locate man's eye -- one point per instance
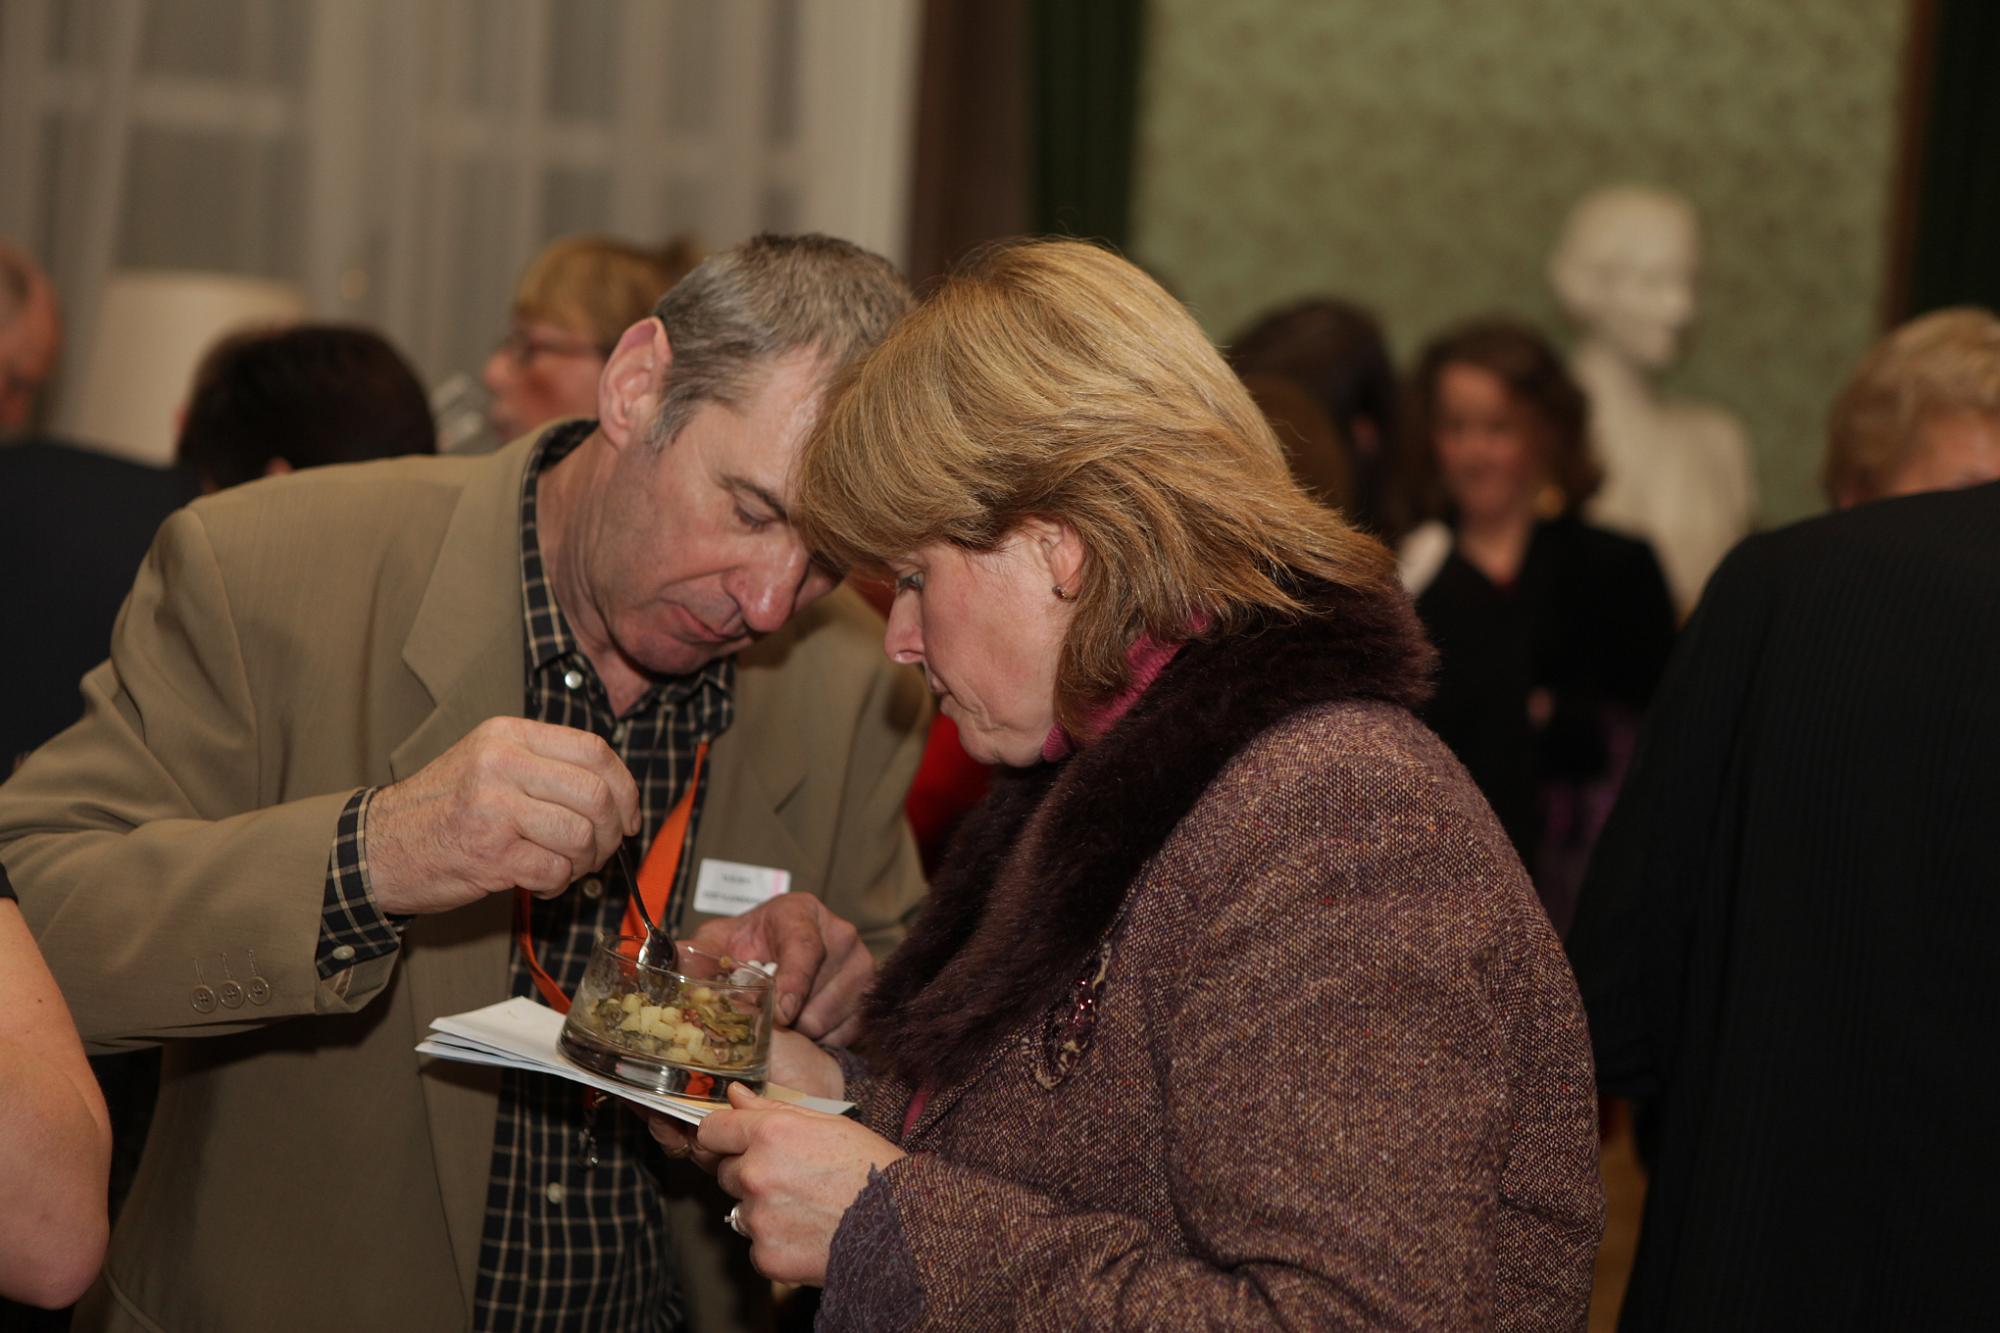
(753, 522)
(910, 582)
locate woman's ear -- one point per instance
(1060, 550)
(635, 377)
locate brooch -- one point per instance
(1067, 1032)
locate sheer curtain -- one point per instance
(399, 160)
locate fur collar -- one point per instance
(1011, 921)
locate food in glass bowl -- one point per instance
(691, 1029)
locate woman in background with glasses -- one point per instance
(573, 301)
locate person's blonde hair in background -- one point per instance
(571, 305)
(1148, 447)
(1920, 413)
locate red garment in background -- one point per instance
(949, 782)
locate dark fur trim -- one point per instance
(1021, 901)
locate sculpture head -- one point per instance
(1624, 269)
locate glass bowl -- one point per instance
(689, 1030)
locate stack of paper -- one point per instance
(521, 1034)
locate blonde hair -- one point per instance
(1054, 380)
(598, 286)
(1944, 362)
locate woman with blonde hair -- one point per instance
(1920, 413)
(574, 301)
(1231, 1005)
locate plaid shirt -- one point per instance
(568, 1244)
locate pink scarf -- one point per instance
(1147, 659)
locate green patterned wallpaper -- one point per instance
(1419, 156)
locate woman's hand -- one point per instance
(796, 1172)
(796, 1063)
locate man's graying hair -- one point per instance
(770, 296)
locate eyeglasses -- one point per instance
(523, 347)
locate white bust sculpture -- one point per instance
(1676, 473)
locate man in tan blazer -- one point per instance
(330, 743)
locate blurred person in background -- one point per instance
(74, 524)
(268, 402)
(1788, 938)
(1920, 413)
(1335, 351)
(571, 305)
(55, 1136)
(30, 338)
(1231, 1007)
(1551, 633)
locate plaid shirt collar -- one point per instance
(550, 644)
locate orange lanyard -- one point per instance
(657, 874)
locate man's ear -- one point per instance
(635, 375)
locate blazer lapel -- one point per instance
(466, 647)
(939, 1102)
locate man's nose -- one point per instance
(771, 591)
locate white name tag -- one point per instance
(729, 888)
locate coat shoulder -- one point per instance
(1368, 807)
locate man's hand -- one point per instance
(514, 802)
(823, 967)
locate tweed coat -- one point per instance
(287, 642)
(1338, 1075)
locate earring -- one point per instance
(1061, 596)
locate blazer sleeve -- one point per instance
(1342, 1101)
(877, 878)
(145, 865)
(1665, 846)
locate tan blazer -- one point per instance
(286, 643)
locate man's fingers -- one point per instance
(583, 793)
(588, 751)
(837, 993)
(559, 829)
(798, 950)
(846, 1033)
(536, 869)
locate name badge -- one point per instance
(730, 888)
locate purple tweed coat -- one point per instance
(1245, 1016)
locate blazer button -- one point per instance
(204, 1000)
(259, 991)
(230, 994)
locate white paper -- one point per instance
(520, 1034)
(731, 888)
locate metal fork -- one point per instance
(656, 938)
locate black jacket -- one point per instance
(74, 525)
(1789, 940)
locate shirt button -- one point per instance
(573, 678)
(343, 953)
(554, 1191)
(593, 888)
